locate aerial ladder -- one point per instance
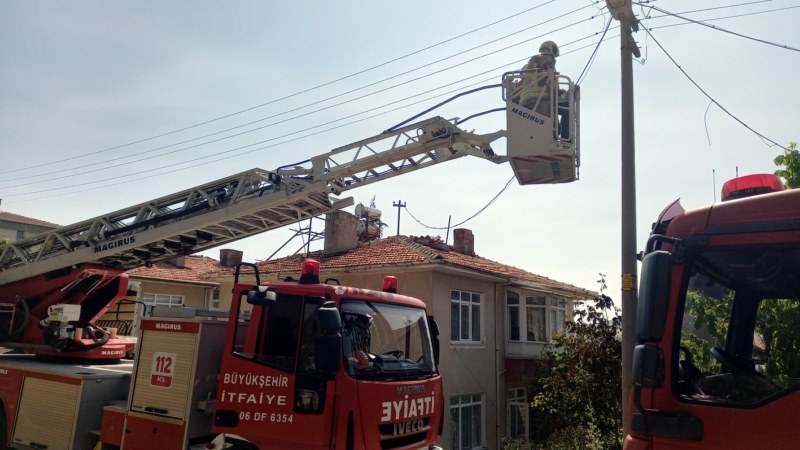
(56, 284)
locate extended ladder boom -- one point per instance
(241, 205)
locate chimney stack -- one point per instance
(178, 261)
(229, 257)
(340, 232)
(464, 241)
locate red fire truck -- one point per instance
(296, 365)
(717, 365)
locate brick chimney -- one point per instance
(464, 241)
(229, 257)
(340, 232)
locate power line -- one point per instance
(706, 93)
(40, 174)
(508, 183)
(714, 27)
(287, 96)
(594, 52)
(173, 170)
(300, 131)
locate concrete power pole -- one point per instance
(621, 10)
(399, 204)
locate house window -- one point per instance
(20, 234)
(162, 299)
(466, 423)
(465, 316)
(538, 319)
(512, 313)
(534, 318)
(558, 314)
(213, 297)
(517, 413)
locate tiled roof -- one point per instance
(403, 250)
(11, 217)
(195, 267)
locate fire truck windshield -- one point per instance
(386, 342)
(741, 325)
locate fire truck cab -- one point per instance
(717, 364)
(305, 353)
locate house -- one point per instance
(176, 282)
(494, 319)
(15, 227)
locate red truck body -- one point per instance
(717, 365)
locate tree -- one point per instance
(790, 159)
(577, 400)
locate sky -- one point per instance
(104, 105)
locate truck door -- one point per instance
(270, 391)
(738, 356)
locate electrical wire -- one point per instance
(40, 174)
(329, 122)
(508, 183)
(149, 173)
(760, 135)
(714, 27)
(216, 119)
(594, 53)
(94, 171)
(471, 91)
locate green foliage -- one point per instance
(777, 324)
(790, 160)
(577, 401)
(709, 328)
(520, 444)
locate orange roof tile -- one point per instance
(404, 250)
(195, 267)
(11, 217)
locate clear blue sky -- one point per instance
(80, 78)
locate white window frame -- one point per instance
(469, 301)
(517, 398)
(556, 322)
(459, 403)
(555, 314)
(152, 300)
(530, 305)
(513, 311)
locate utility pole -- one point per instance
(398, 204)
(622, 11)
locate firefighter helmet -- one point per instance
(549, 47)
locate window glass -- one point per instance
(535, 318)
(517, 413)
(271, 337)
(740, 332)
(382, 341)
(466, 422)
(512, 312)
(558, 315)
(465, 316)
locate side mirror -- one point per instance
(261, 296)
(434, 330)
(328, 349)
(648, 366)
(654, 294)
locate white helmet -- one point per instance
(549, 47)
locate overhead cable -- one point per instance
(760, 135)
(287, 96)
